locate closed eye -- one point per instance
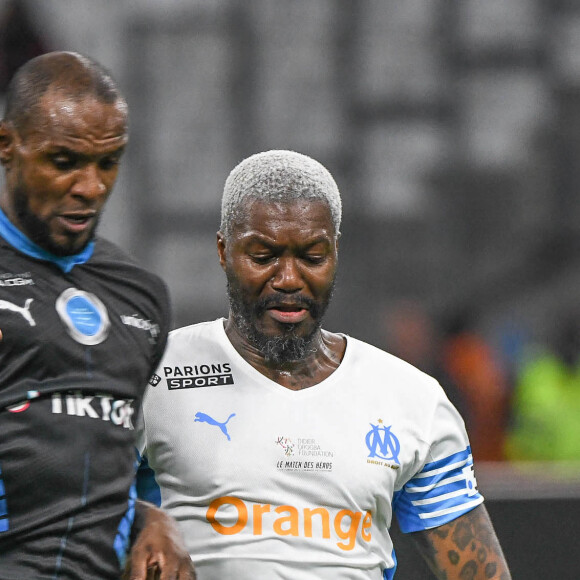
(262, 259)
(64, 161)
(315, 258)
(111, 162)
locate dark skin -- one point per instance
(290, 251)
(287, 251)
(60, 170)
(464, 549)
(159, 552)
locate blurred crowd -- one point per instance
(19, 40)
(519, 396)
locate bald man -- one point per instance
(82, 328)
(284, 450)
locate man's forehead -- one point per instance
(286, 206)
(60, 112)
(259, 215)
(61, 102)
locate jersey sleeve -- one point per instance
(164, 305)
(445, 487)
(146, 484)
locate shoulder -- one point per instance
(106, 250)
(375, 359)
(112, 261)
(387, 378)
(107, 253)
(202, 332)
(197, 344)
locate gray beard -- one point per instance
(278, 349)
(286, 347)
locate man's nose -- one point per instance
(89, 182)
(287, 277)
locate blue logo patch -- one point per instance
(84, 316)
(383, 443)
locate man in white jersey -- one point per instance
(283, 450)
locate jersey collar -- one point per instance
(17, 239)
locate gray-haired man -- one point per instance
(282, 449)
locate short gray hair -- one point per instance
(278, 176)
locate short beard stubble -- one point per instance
(38, 231)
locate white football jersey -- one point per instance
(271, 483)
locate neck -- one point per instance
(321, 361)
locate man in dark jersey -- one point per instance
(82, 329)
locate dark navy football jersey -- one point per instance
(80, 338)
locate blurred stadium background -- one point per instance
(452, 129)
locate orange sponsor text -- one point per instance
(286, 520)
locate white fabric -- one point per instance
(278, 484)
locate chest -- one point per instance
(272, 448)
(74, 328)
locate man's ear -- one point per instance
(221, 249)
(6, 143)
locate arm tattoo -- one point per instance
(464, 549)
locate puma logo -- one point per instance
(5, 305)
(203, 418)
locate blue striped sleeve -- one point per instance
(442, 491)
(389, 573)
